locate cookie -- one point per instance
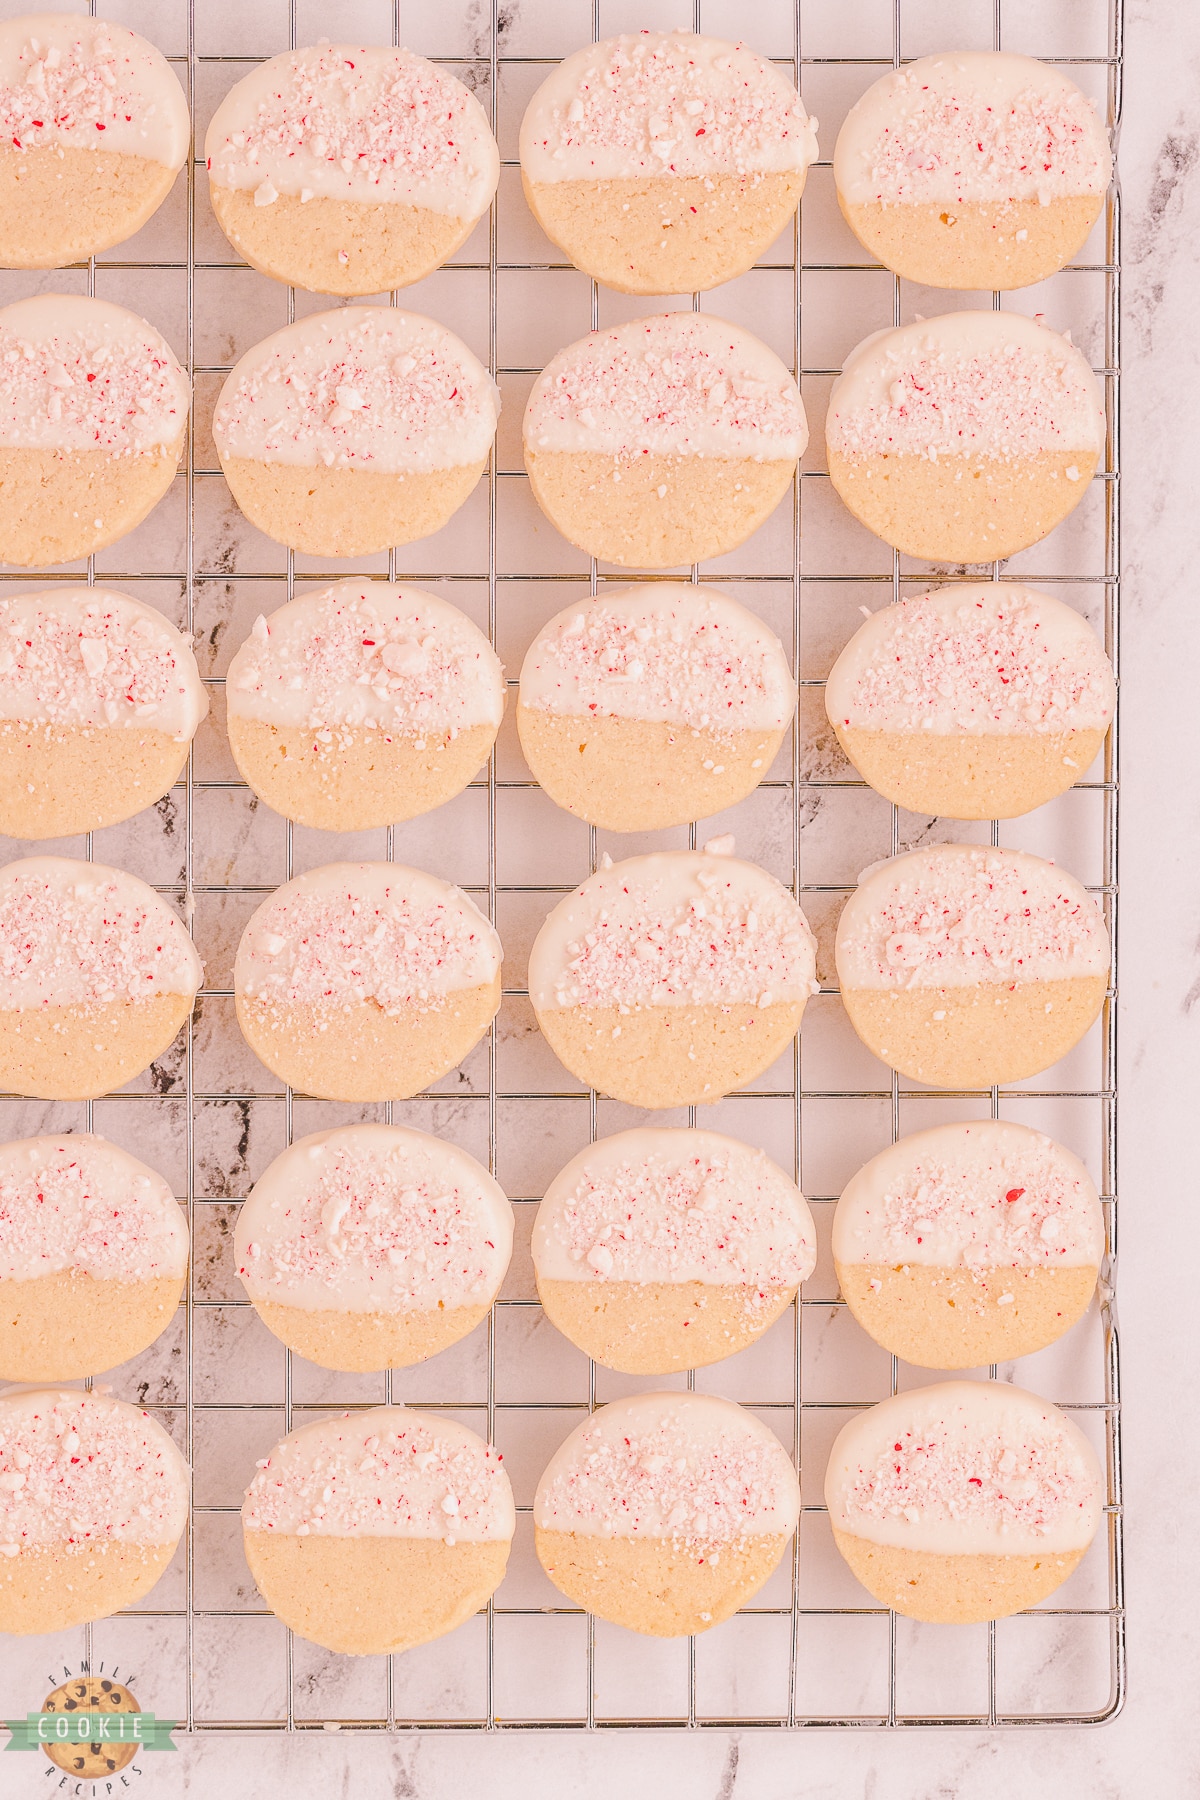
(663, 1250)
(663, 162)
(373, 1246)
(964, 438)
(667, 1512)
(964, 967)
(349, 170)
(969, 1244)
(93, 1502)
(352, 431)
(664, 441)
(671, 979)
(93, 1257)
(974, 702)
(378, 1530)
(366, 981)
(91, 1694)
(363, 704)
(976, 169)
(94, 129)
(652, 706)
(93, 418)
(97, 975)
(100, 698)
(964, 1501)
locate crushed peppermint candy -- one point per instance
(78, 1203)
(676, 1206)
(690, 1468)
(380, 657)
(665, 104)
(89, 84)
(80, 374)
(995, 659)
(374, 1223)
(364, 387)
(383, 1473)
(79, 934)
(678, 653)
(679, 384)
(956, 915)
(368, 125)
(357, 934)
(82, 1469)
(83, 658)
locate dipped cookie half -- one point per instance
(969, 1244)
(964, 1501)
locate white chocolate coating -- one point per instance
(663, 1205)
(663, 650)
(347, 122)
(388, 1472)
(957, 914)
(992, 384)
(993, 659)
(979, 1196)
(373, 1218)
(362, 387)
(85, 657)
(78, 1202)
(78, 1468)
(972, 126)
(80, 934)
(368, 653)
(680, 1466)
(664, 103)
(677, 384)
(80, 374)
(966, 1468)
(89, 84)
(676, 928)
(353, 932)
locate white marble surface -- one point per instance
(1151, 1748)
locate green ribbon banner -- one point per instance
(37, 1730)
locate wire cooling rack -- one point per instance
(814, 1651)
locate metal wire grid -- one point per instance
(798, 782)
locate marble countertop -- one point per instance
(1151, 1747)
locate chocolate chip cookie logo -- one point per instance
(92, 1728)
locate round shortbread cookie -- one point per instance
(667, 1512)
(355, 430)
(965, 967)
(373, 1246)
(100, 698)
(652, 706)
(93, 417)
(663, 1250)
(378, 1530)
(667, 440)
(974, 702)
(349, 170)
(964, 1501)
(93, 1501)
(94, 128)
(969, 1244)
(363, 704)
(964, 438)
(366, 981)
(671, 979)
(977, 169)
(93, 1257)
(663, 162)
(97, 975)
